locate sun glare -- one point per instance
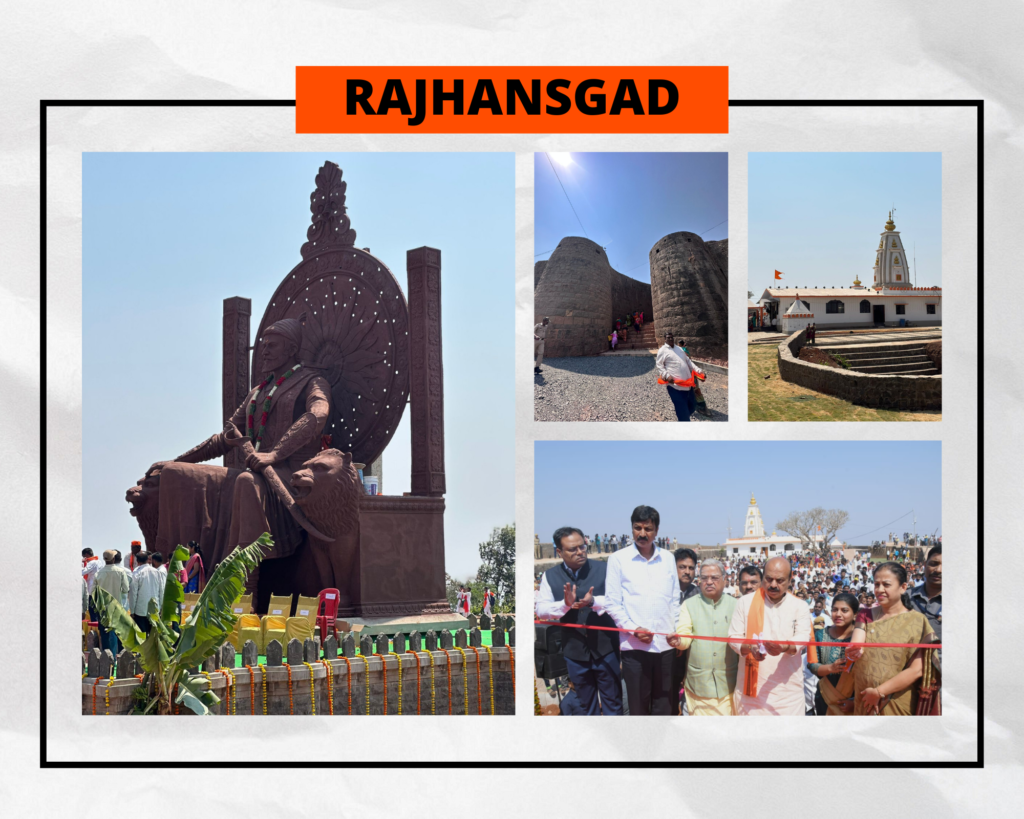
(563, 158)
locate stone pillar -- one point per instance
(426, 387)
(376, 469)
(235, 368)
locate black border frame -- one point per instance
(979, 105)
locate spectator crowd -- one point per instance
(741, 635)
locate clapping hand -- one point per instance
(569, 594)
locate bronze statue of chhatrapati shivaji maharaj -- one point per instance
(338, 355)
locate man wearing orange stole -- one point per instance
(771, 679)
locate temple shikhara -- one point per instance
(755, 542)
(891, 300)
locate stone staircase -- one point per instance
(643, 341)
(907, 358)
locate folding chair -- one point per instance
(280, 605)
(306, 607)
(248, 628)
(243, 605)
(327, 612)
(297, 628)
(273, 629)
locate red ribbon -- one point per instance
(737, 640)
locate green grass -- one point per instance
(773, 399)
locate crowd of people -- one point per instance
(134, 587)
(620, 331)
(761, 619)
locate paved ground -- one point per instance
(615, 388)
(860, 336)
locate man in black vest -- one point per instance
(573, 592)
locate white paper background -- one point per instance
(774, 50)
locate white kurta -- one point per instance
(780, 680)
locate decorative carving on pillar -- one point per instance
(235, 366)
(426, 393)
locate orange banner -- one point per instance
(511, 100)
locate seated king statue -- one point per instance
(280, 422)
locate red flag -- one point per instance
(778, 274)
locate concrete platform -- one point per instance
(418, 622)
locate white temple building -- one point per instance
(891, 299)
(755, 542)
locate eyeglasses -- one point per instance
(570, 550)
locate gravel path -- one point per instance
(615, 388)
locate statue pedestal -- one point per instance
(401, 558)
(406, 625)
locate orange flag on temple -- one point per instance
(778, 274)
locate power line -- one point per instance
(726, 219)
(890, 523)
(567, 199)
(535, 255)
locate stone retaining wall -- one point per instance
(418, 681)
(891, 392)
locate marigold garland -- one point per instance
(448, 657)
(229, 679)
(366, 669)
(512, 659)
(398, 657)
(291, 698)
(384, 671)
(263, 679)
(479, 696)
(490, 675)
(465, 679)
(256, 435)
(432, 695)
(252, 691)
(348, 675)
(312, 688)
(418, 689)
(330, 684)
(94, 684)
(106, 694)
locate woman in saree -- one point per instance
(884, 679)
(834, 696)
(194, 569)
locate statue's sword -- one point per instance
(236, 439)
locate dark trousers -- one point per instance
(684, 401)
(678, 678)
(648, 678)
(142, 622)
(597, 679)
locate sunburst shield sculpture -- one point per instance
(356, 325)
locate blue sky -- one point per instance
(817, 216)
(700, 487)
(628, 201)
(168, 236)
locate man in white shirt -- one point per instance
(540, 332)
(90, 566)
(147, 584)
(642, 597)
(114, 581)
(776, 686)
(676, 371)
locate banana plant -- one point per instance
(166, 655)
